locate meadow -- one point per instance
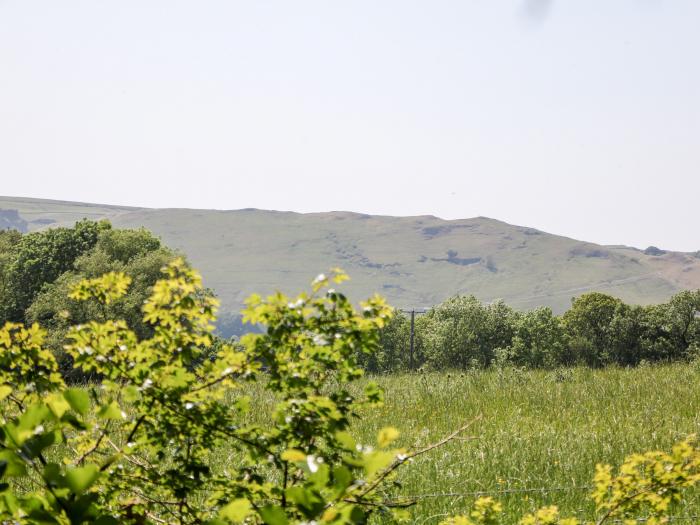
(540, 435)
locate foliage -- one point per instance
(540, 340)
(395, 342)
(136, 253)
(139, 447)
(39, 258)
(592, 320)
(462, 332)
(598, 330)
(8, 239)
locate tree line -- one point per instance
(38, 269)
(598, 330)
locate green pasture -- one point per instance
(539, 436)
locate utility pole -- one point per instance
(413, 330)
(412, 339)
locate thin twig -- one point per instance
(401, 459)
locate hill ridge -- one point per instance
(413, 261)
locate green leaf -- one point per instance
(58, 405)
(387, 436)
(308, 501)
(52, 474)
(14, 466)
(5, 390)
(78, 400)
(74, 421)
(342, 478)
(35, 445)
(236, 511)
(110, 411)
(273, 515)
(32, 418)
(319, 479)
(293, 455)
(79, 479)
(377, 461)
(131, 394)
(374, 393)
(346, 440)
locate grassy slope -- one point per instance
(539, 430)
(404, 258)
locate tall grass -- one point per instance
(538, 430)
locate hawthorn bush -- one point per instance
(140, 446)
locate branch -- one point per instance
(400, 460)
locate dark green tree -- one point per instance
(8, 239)
(589, 322)
(394, 341)
(540, 340)
(462, 332)
(39, 258)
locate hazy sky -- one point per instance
(578, 117)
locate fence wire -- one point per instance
(497, 492)
(531, 490)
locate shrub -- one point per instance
(140, 446)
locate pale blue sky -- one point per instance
(578, 117)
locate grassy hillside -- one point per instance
(414, 261)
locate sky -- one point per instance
(580, 118)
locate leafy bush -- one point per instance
(140, 446)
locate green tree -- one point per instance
(39, 258)
(135, 253)
(590, 323)
(462, 332)
(540, 340)
(8, 240)
(393, 353)
(683, 321)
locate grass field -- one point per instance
(539, 430)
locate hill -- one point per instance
(413, 261)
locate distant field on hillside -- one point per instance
(413, 261)
(539, 430)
